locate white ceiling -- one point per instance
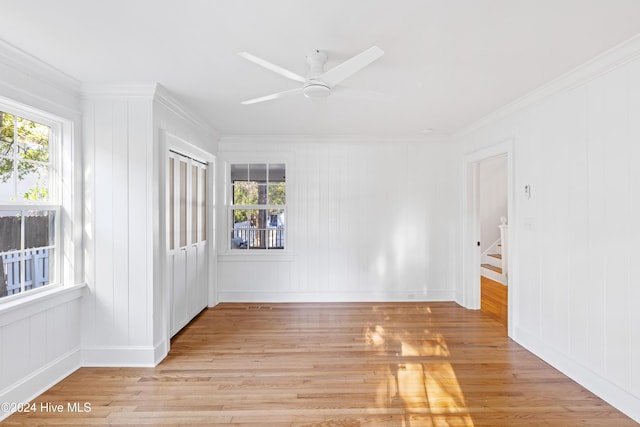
(447, 63)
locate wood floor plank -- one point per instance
(494, 299)
(355, 364)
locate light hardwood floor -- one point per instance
(494, 300)
(391, 364)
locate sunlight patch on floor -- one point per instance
(420, 386)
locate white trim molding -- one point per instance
(29, 64)
(373, 296)
(622, 399)
(119, 356)
(152, 91)
(41, 380)
(606, 62)
(470, 294)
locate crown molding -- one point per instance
(166, 99)
(607, 61)
(291, 139)
(108, 90)
(38, 84)
(154, 92)
(32, 66)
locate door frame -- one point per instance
(171, 142)
(471, 254)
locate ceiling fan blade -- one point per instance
(273, 96)
(272, 67)
(351, 66)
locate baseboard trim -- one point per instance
(33, 385)
(621, 399)
(119, 356)
(373, 296)
(160, 351)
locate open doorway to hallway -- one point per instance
(492, 214)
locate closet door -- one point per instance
(187, 239)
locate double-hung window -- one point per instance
(257, 206)
(29, 201)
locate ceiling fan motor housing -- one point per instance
(315, 88)
(316, 61)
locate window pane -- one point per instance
(276, 218)
(239, 239)
(33, 181)
(203, 204)
(10, 274)
(277, 172)
(33, 140)
(6, 180)
(262, 194)
(244, 218)
(24, 159)
(243, 234)
(258, 172)
(245, 193)
(194, 204)
(38, 229)
(277, 193)
(239, 172)
(10, 223)
(6, 157)
(275, 231)
(172, 203)
(6, 132)
(38, 263)
(183, 204)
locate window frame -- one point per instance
(59, 130)
(246, 159)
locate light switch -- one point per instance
(527, 191)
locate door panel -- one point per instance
(187, 239)
(179, 303)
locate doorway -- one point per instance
(492, 216)
(488, 197)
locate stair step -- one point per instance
(499, 256)
(492, 268)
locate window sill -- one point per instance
(19, 308)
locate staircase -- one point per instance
(493, 265)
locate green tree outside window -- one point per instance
(24, 156)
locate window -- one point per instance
(29, 208)
(258, 206)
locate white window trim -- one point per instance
(60, 143)
(224, 180)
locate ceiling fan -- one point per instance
(318, 83)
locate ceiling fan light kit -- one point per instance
(316, 89)
(318, 83)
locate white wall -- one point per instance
(492, 200)
(40, 335)
(574, 260)
(125, 312)
(117, 326)
(367, 221)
